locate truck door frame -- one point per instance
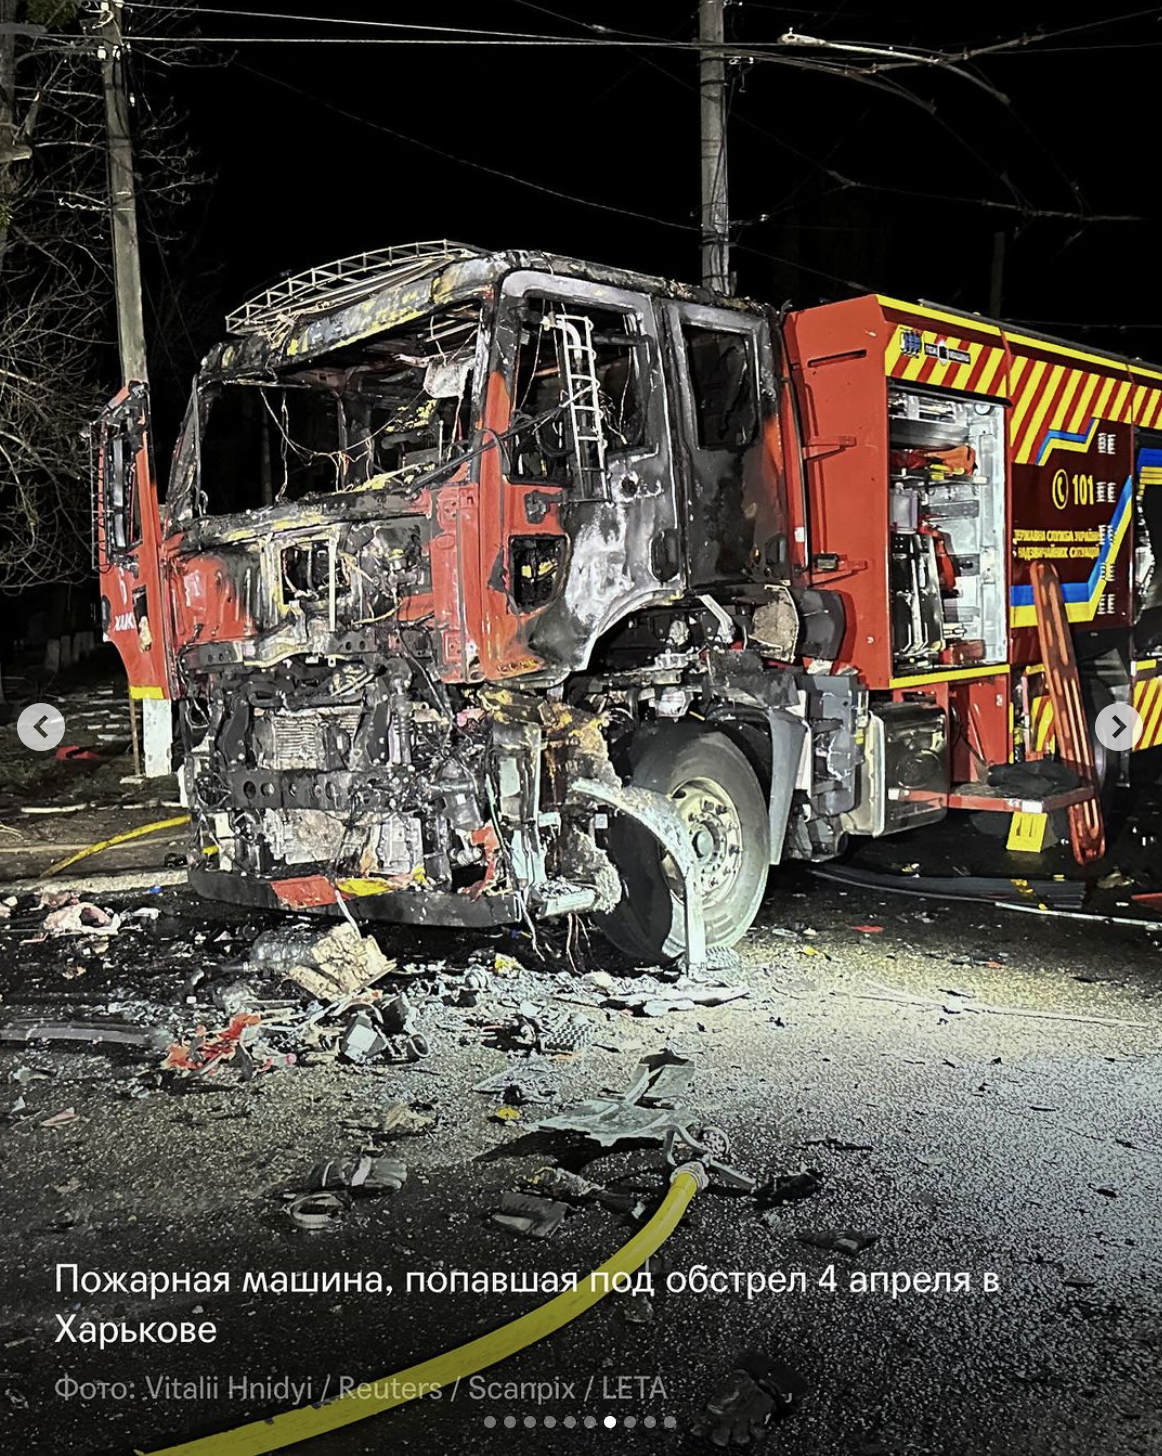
(731, 498)
(127, 533)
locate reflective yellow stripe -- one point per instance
(959, 674)
(972, 325)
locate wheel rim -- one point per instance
(715, 830)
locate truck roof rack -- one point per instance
(331, 285)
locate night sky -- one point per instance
(321, 150)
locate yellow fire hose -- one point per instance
(63, 864)
(256, 1438)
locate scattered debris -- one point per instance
(541, 1030)
(574, 1188)
(119, 1033)
(682, 996)
(209, 1049)
(327, 964)
(783, 1188)
(59, 1119)
(81, 918)
(757, 1391)
(839, 1241)
(397, 1119)
(316, 1211)
(609, 1121)
(362, 1040)
(523, 1213)
(670, 1079)
(372, 1172)
(521, 1083)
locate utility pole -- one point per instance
(997, 277)
(106, 26)
(715, 214)
(156, 713)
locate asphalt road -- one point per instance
(980, 1090)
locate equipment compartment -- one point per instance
(946, 512)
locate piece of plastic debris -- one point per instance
(371, 1172)
(536, 1218)
(327, 964)
(783, 1188)
(506, 1114)
(671, 1078)
(531, 1081)
(609, 1122)
(839, 1241)
(544, 1030)
(82, 918)
(397, 1119)
(59, 1119)
(379, 1174)
(869, 929)
(682, 996)
(757, 1391)
(209, 1049)
(362, 1040)
(574, 1188)
(119, 1033)
(317, 1210)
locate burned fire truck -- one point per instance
(498, 586)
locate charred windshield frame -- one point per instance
(391, 412)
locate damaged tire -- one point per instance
(718, 794)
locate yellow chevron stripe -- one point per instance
(1103, 399)
(1037, 414)
(1057, 420)
(988, 373)
(1027, 395)
(1145, 690)
(1081, 407)
(1067, 399)
(1118, 406)
(1016, 374)
(1154, 712)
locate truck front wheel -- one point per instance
(717, 793)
